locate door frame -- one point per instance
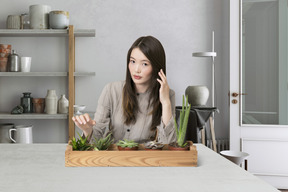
(235, 61)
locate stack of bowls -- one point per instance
(5, 51)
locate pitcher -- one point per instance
(22, 134)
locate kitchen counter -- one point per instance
(41, 167)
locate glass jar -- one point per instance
(38, 105)
(26, 102)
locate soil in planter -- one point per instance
(127, 148)
(148, 149)
(174, 147)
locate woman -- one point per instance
(140, 108)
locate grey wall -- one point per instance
(183, 27)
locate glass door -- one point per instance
(264, 62)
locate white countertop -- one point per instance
(41, 168)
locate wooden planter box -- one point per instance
(140, 158)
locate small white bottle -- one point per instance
(63, 105)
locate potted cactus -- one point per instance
(103, 143)
(127, 145)
(181, 127)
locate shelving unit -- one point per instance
(71, 74)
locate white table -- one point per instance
(41, 168)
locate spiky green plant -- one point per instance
(183, 122)
(103, 143)
(127, 143)
(80, 144)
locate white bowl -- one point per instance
(236, 157)
(79, 108)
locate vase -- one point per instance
(197, 95)
(26, 102)
(63, 105)
(51, 102)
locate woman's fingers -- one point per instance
(87, 117)
(82, 120)
(162, 75)
(161, 83)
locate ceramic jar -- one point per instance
(63, 104)
(26, 103)
(197, 95)
(13, 22)
(39, 15)
(5, 51)
(59, 19)
(51, 102)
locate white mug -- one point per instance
(22, 134)
(26, 64)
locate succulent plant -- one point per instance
(80, 144)
(127, 143)
(153, 145)
(103, 143)
(183, 122)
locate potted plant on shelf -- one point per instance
(127, 145)
(103, 143)
(153, 145)
(181, 143)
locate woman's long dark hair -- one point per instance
(154, 51)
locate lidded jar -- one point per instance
(26, 102)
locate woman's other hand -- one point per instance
(85, 123)
(164, 89)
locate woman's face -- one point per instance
(140, 69)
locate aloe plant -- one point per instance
(183, 122)
(103, 143)
(127, 143)
(80, 144)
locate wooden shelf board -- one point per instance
(44, 74)
(32, 116)
(84, 74)
(45, 33)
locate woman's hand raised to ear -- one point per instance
(164, 98)
(164, 89)
(85, 123)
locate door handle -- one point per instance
(236, 94)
